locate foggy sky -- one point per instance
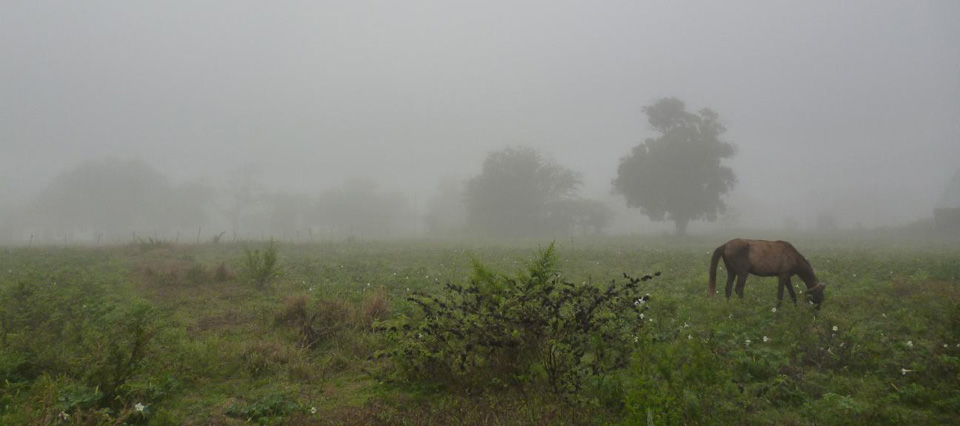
(851, 109)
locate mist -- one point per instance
(840, 111)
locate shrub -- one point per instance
(267, 357)
(261, 266)
(223, 273)
(324, 321)
(120, 346)
(375, 307)
(196, 273)
(509, 331)
(70, 328)
(151, 243)
(273, 406)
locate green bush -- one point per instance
(64, 325)
(268, 409)
(498, 330)
(151, 243)
(261, 266)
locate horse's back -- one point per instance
(766, 258)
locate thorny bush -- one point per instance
(498, 330)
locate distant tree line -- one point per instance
(677, 176)
(129, 199)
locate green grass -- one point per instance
(217, 350)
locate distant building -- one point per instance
(946, 217)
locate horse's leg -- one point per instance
(730, 276)
(741, 280)
(793, 294)
(783, 283)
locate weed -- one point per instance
(223, 273)
(323, 321)
(151, 243)
(375, 307)
(273, 405)
(261, 266)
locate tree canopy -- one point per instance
(360, 208)
(120, 195)
(678, 175)
(516, 192)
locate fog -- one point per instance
(846, 110)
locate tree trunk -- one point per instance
(681, 225)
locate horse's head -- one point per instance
(816, 293)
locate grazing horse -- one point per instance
(765, 259)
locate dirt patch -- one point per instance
(937, 289)
(224, 321)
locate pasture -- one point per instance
(165, 334)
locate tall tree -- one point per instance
(515, 190)
(678, 175)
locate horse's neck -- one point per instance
(806, 274)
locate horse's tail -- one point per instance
(713, 269)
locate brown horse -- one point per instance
(765, 259)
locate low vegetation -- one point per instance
(435, 333)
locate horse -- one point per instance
(765, 259)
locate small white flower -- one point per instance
(63, 416)
(313, 410)
(944, 345)
(636, 338)
(835, 328)
(773, 309)
(766, 339)
(883, 315)
(642, 316)
(139, 407)
(904, 371)
(689, 337)
(419, 335)
(748, 342)
(685, 325)
(909, 343)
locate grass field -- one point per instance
(162, 334)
